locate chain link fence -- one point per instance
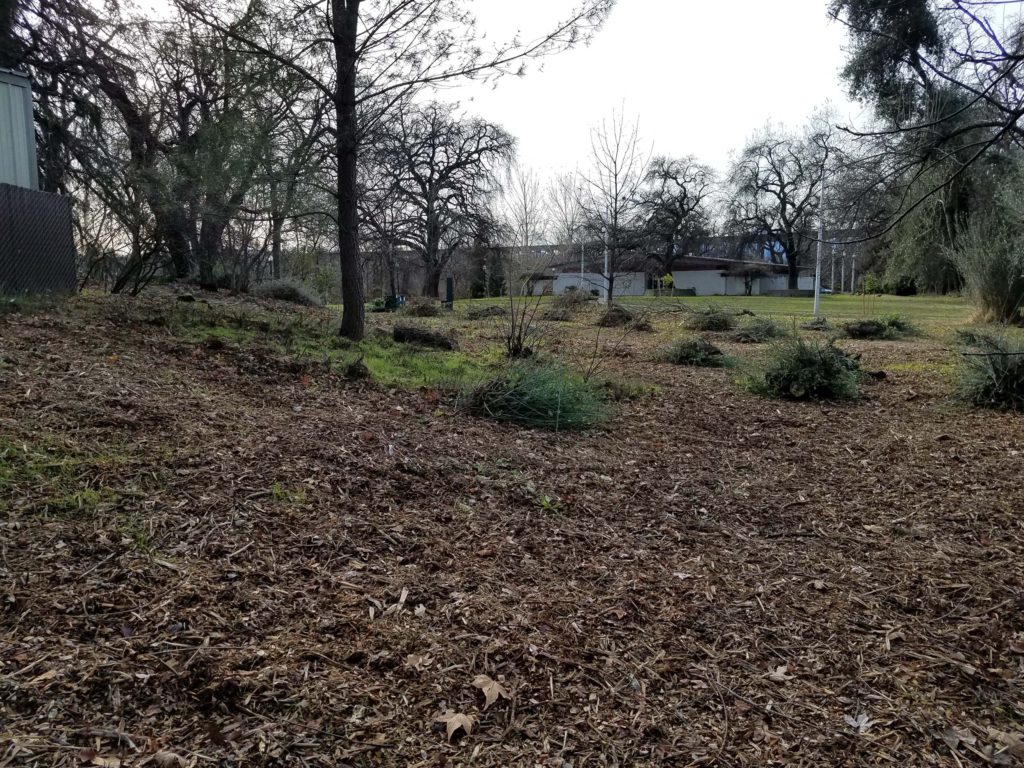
(37, 247)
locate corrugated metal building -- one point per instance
(37, 245)
(17, 139)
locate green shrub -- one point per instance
(557, 314)
(991, 373)
(571, 300)
(807, 370)
(710, 318)
(291, 290)
(421, 307)
(989, 253)
(540, 395)
(758, 331)
(888, 327)
(325, 281)
(817, 324)
(615, 316)
(641, 322)
(694, 352)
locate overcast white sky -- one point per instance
(700, 75)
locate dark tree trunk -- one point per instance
(392, 271)
(431, 281)
(346, 20)
(794, 273)
(276, 225)
(171, 227)
(210, 236)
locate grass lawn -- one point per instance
(934, 313)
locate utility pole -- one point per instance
(607, 274)
(582, 250)
(821, 245)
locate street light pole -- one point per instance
(821, 238)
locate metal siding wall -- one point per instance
(17, 133)
(7, 171)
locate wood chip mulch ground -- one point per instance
(265, 568)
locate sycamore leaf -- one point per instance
(418, 662)
(1011, 743)
(493, 690)
(779, 674)
(165, 759)
(454, 721)
(954, 736)
(861, 723)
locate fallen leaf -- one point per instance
(955, 736)
(106, 762)
(165, 759)
(779, 674)
(861, 723)
(454, 721)
(418, 662)
(492, 689)
(1013, 743)
(49, 675)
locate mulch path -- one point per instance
(288, 569)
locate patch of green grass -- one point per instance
(315, 338)
(283, 495)
(405, 366)
(28, 305)
(131, 530)
(923, 366)
(54, 479)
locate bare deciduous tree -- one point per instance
(611, 196)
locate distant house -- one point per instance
(728, 277)
(625, 283)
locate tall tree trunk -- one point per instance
(210, 236)
(432, 281)
(171, 227)
(276, 227)
(392, 271)
(794, 272)
(346, 20)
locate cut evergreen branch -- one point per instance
(699, 353)
(541, 395)
(797, 369)
(991, 373)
